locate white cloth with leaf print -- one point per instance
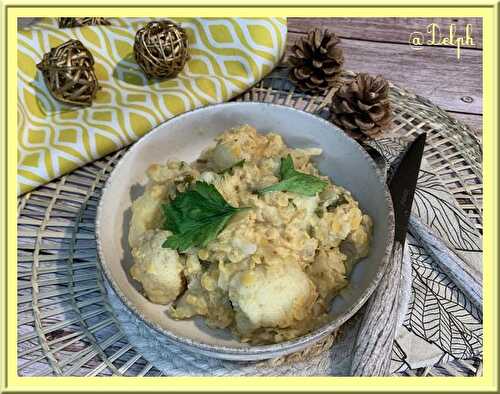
(441, 324)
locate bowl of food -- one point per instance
(245, 231)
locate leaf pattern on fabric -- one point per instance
(439, 312)
(432, 204)
(391, 148)
(398, 358)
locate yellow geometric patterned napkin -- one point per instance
(228, 55)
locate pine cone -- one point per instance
(316, 61)
(361, 108)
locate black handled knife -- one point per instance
(402, 179)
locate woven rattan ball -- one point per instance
(161, 49)
(78, 22)
(68, 71)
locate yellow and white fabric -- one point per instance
(228, 55)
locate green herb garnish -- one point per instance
(196, 217)
(237, 164)
(294, 181)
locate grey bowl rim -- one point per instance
(252, 352)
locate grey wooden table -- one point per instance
(381, 46)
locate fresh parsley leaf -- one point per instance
(196, 217)
(294, 181)
(287, 168)
(237, 164)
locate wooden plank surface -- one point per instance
(433, 74)
(393, 30)
(380, 46)
(475, 122)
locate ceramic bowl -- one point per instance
(183, 138)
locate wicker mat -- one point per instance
(67, 326)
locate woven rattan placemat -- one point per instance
(65, 323)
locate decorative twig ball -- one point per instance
(68, 71)
(161, 49)
(77, 22)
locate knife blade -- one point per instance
(402, 179)
(373, 347)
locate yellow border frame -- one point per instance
(10, 382)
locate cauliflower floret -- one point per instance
(158, 269)
(334, 196)
(171, 172)
(335, 226)
(244, 143)
(223, 157)
(272, 296)
(357, 244)
(204, 298)
(328, 273)
(233, 147)
(146, 212)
